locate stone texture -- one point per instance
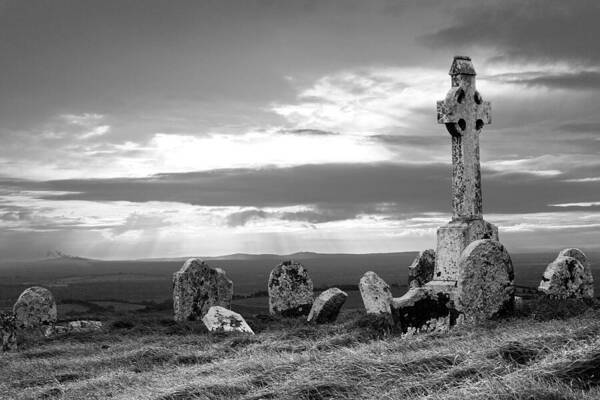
(485, 287)
(424, 309)
(290, 290)
(464, 113)
(587, 287)
(421, 270)
(197, 287)
(327, 306)
(220, 319)
(8, 331)
(376, 294)
(79, 326)
(453, 238)
(35, 308)
(564, 278)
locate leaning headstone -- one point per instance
(197, 287)
(421, 270)
(220, 319)
(424, 310)
(376, 294)
(587, 287)
(35, 309)
(564, 278)
(327, 306)
(290, 290)
(8, 331)
(485, 287)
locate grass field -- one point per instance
(551, 353)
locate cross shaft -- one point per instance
(464, 113)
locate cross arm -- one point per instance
(448, 110)
(484, 112)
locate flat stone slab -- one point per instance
(327, 306)
(35, 308)
(566, 277)
(376, 294)
(220, 319)
(421, 270)
(424, 309)
(485, 287)
(197, 287)
(79, 326)
(290, 290)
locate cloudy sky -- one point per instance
(147, 128)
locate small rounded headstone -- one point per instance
(565, 277)
(290, 290)
(376, 294)
(35, 308)
(421, 270)
(485, 286)
(327, 306)
(197, 287)
(220, 319)
(587, 286)
(8, 331)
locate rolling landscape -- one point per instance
(311, 154)
(134, 284)
(547, 351)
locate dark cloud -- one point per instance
(542, 30)
(312, 132)
(318, 213)
(582, 80)
(338, 190)
(577, 127)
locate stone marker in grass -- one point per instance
(197, 287)
(421, 270)
(327, 306)
(35, 309)
(376, 294)
(568, 276)
(290, 290)
(220, 319)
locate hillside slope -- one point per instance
(149, 357)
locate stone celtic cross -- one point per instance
(464, 113)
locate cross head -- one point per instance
(464, 113)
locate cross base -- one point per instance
(452, 239)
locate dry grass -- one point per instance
(525, 358)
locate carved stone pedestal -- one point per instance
(452, 239)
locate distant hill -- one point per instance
(71, 277)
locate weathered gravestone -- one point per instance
(327, 306)
(220, 319)
(376, 294)
(485, 287)
(421, 270)
(464, 113)
(568, 276)
(197, 287)
(35, 309)
(290, 290)
(8, 331)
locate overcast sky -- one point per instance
(133, 129)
